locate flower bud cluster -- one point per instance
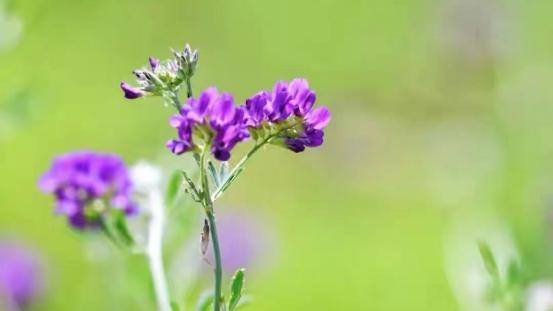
(163, 77)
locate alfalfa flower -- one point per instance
(211, 120)
(164, 78)
(287, 115)
(87, 185)
(212, 123)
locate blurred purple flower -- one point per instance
(243, 240)
(86, 185)
(20, 276)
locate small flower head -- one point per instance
(187, 60)
(86, 185)
(211, 120)
(20, 276)
(163, 77)
(287, 113)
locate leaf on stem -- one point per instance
(120, 223)
(488, 258)
(115, 226)
(214, 174)
(223, 171)
(236, 288)
(197, 158)
(232, 178)
(191, 188)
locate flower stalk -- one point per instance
(154, 251)
(212, 123)
(210, 213)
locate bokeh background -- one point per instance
(441, 136)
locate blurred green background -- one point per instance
(441, 135)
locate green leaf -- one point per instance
(114, 225)
(489, 259)
(515, 276)
(214, 174)
(191, 188)
(205, 303)
(231, 179)
(236, 288)
(224, 170)
(174, 306)
(175, 182)
(196, 157)
(121, 227)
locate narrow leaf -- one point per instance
(191, 187)
(197, 158)
(223, 171)
(236, 288)
(213, 173)
(231, 179)
(488, 258)
(119, 228)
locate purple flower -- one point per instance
(154, 80)
(211, 118)
(86, 185)
(255, 107)
(20, 276)
(154, 63)
(303, 97)
(287, 112)
(130, 91)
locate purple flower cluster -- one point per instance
(20, 276)
(212, 118)
(286, 115)
(86, 185)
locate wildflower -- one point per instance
(20, 276)
(213, 121)
(87, 185)
(287, 114)
(187, 60)
(163, 78)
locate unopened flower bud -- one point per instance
(130, 91)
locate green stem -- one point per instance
(208, 206)
(188, 88)
(239, 166)
(175, 100)
(218, 264)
